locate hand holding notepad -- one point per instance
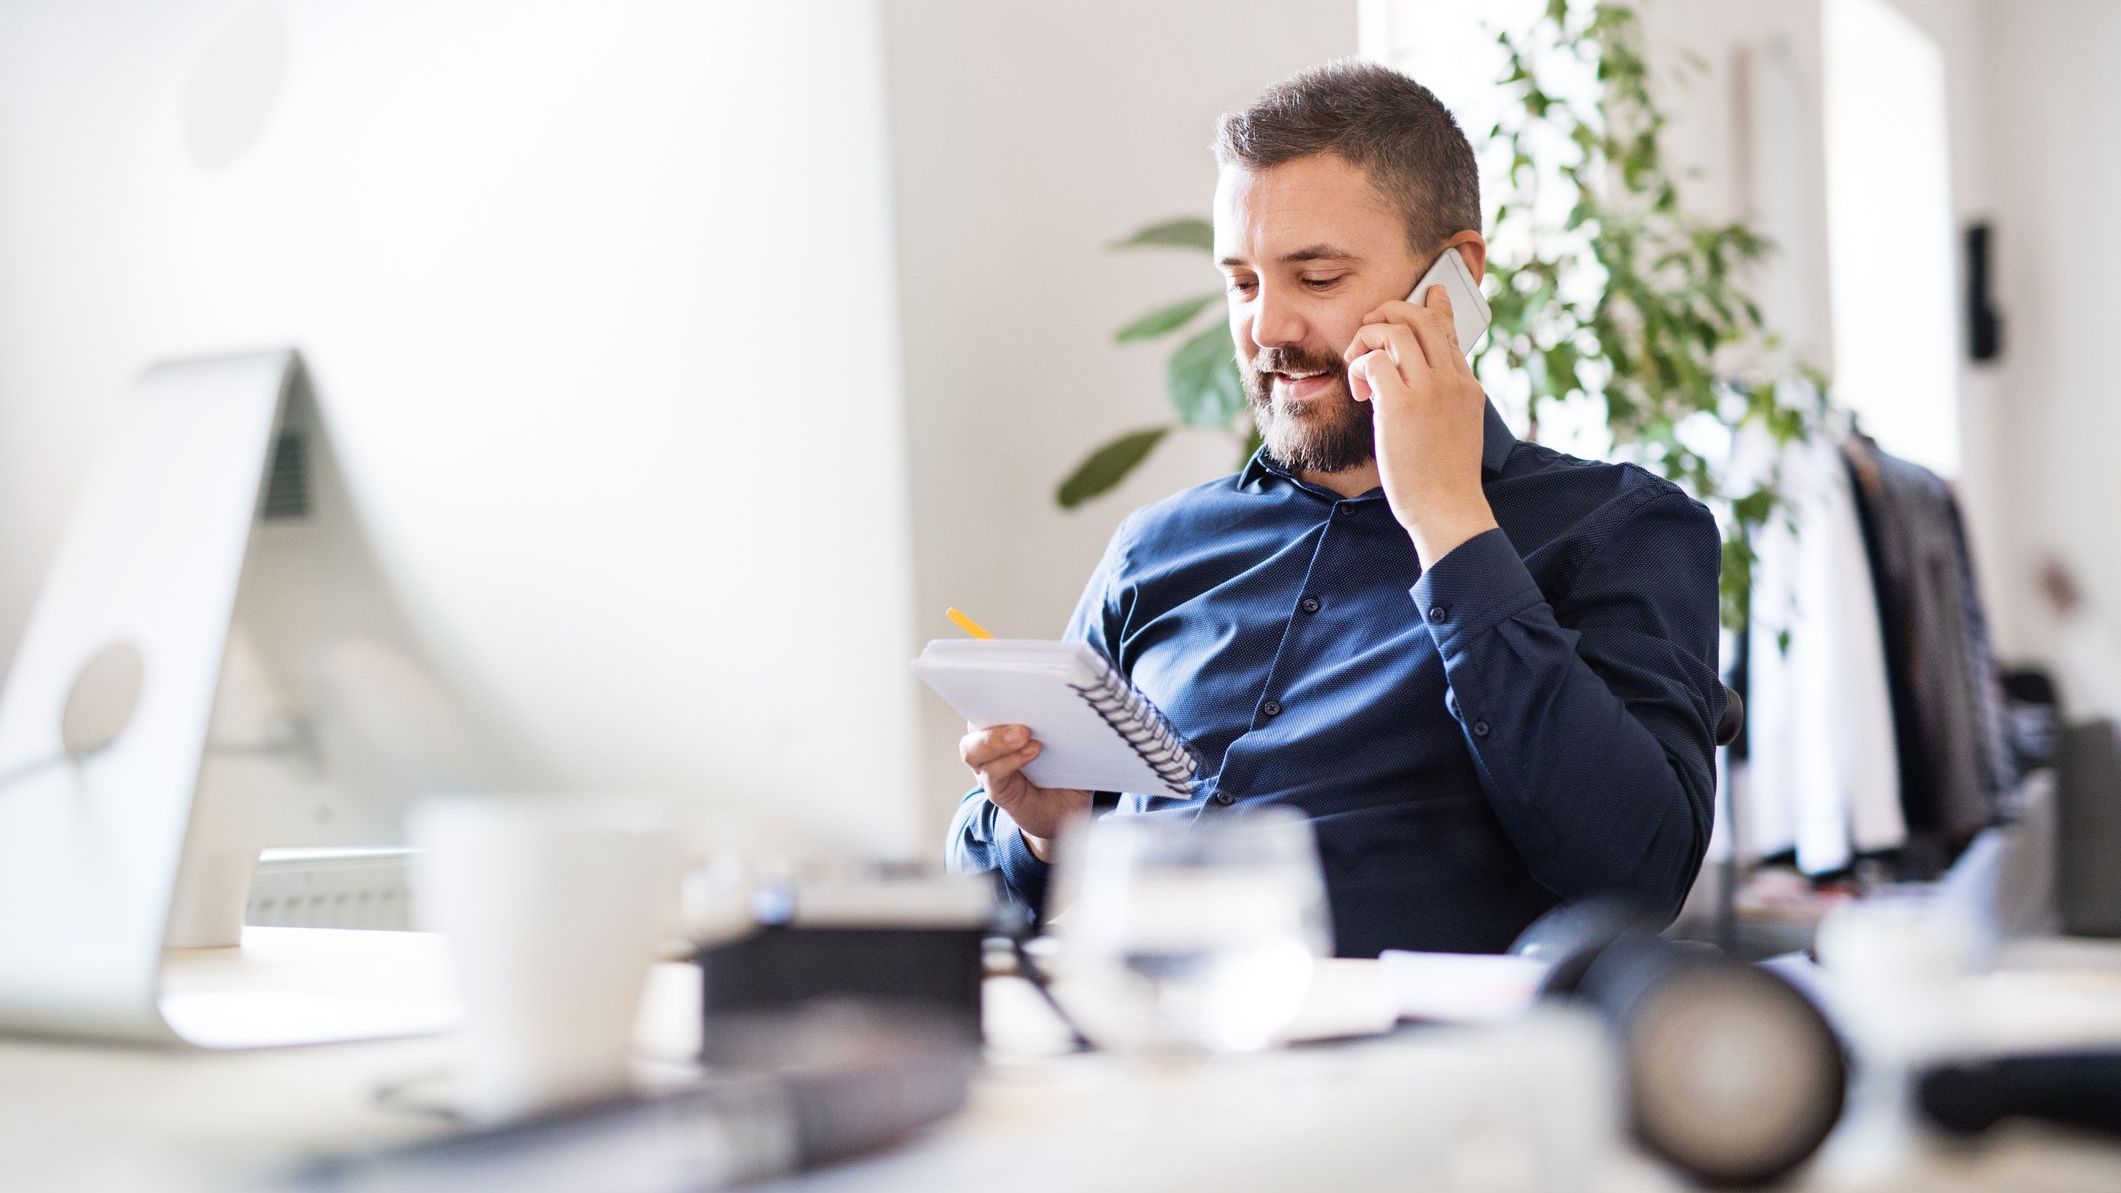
(1099, 733)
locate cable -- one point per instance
(1036, 975)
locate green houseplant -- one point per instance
(1627, 302)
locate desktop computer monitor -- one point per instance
(596, 307)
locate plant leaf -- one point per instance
(1202, 380)
(1164, 319)
(1185, 232)
(1107, 466)
(1561, 375)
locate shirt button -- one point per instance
(1439, 613)
(1480, 729)
(1309, 605)
(1224, 798)
(1347, 511)
(1272, 708)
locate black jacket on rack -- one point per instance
(1947, 701)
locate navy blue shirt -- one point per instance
(1532, 720)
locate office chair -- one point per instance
(1733, 718)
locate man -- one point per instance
(1485, 670)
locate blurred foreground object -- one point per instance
(2070, 1089)
(1732, 1074)
(1191, 935)
(551, 909)
(807, 1088)
(888, 941)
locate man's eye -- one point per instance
(1240, 286)
(1321, 283)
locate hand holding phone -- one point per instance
(1429, 412)
(1469, 308)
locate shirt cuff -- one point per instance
(1478, 583)
(1021, 870)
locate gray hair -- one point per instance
(1378, 119)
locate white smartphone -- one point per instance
(1469, 309)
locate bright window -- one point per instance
(1889, 231)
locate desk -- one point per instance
(1422, 1108)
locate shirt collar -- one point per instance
(1496, 442)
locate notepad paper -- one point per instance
(1462, 987)
(1097, 732)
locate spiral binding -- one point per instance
(1144, 727)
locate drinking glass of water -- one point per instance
(1179, 934)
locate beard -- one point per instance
(1328, 433)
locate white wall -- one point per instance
(2053, 107)
(600, 306)
(1026, 138)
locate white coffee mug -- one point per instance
(553, 908)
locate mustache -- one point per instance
(1294, 360)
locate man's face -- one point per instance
(1308, 249)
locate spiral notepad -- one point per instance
(1099, 732)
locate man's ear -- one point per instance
(1474, 248)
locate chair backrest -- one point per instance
(1733, 718)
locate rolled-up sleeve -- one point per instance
(1591, 713)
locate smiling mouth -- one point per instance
(1301, 385)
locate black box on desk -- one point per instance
(882, 943)
(2088, 820)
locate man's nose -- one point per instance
(1276, 323)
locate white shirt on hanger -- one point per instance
(1823, 766)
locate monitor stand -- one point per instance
(104, 728)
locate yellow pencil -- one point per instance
(966, 624)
